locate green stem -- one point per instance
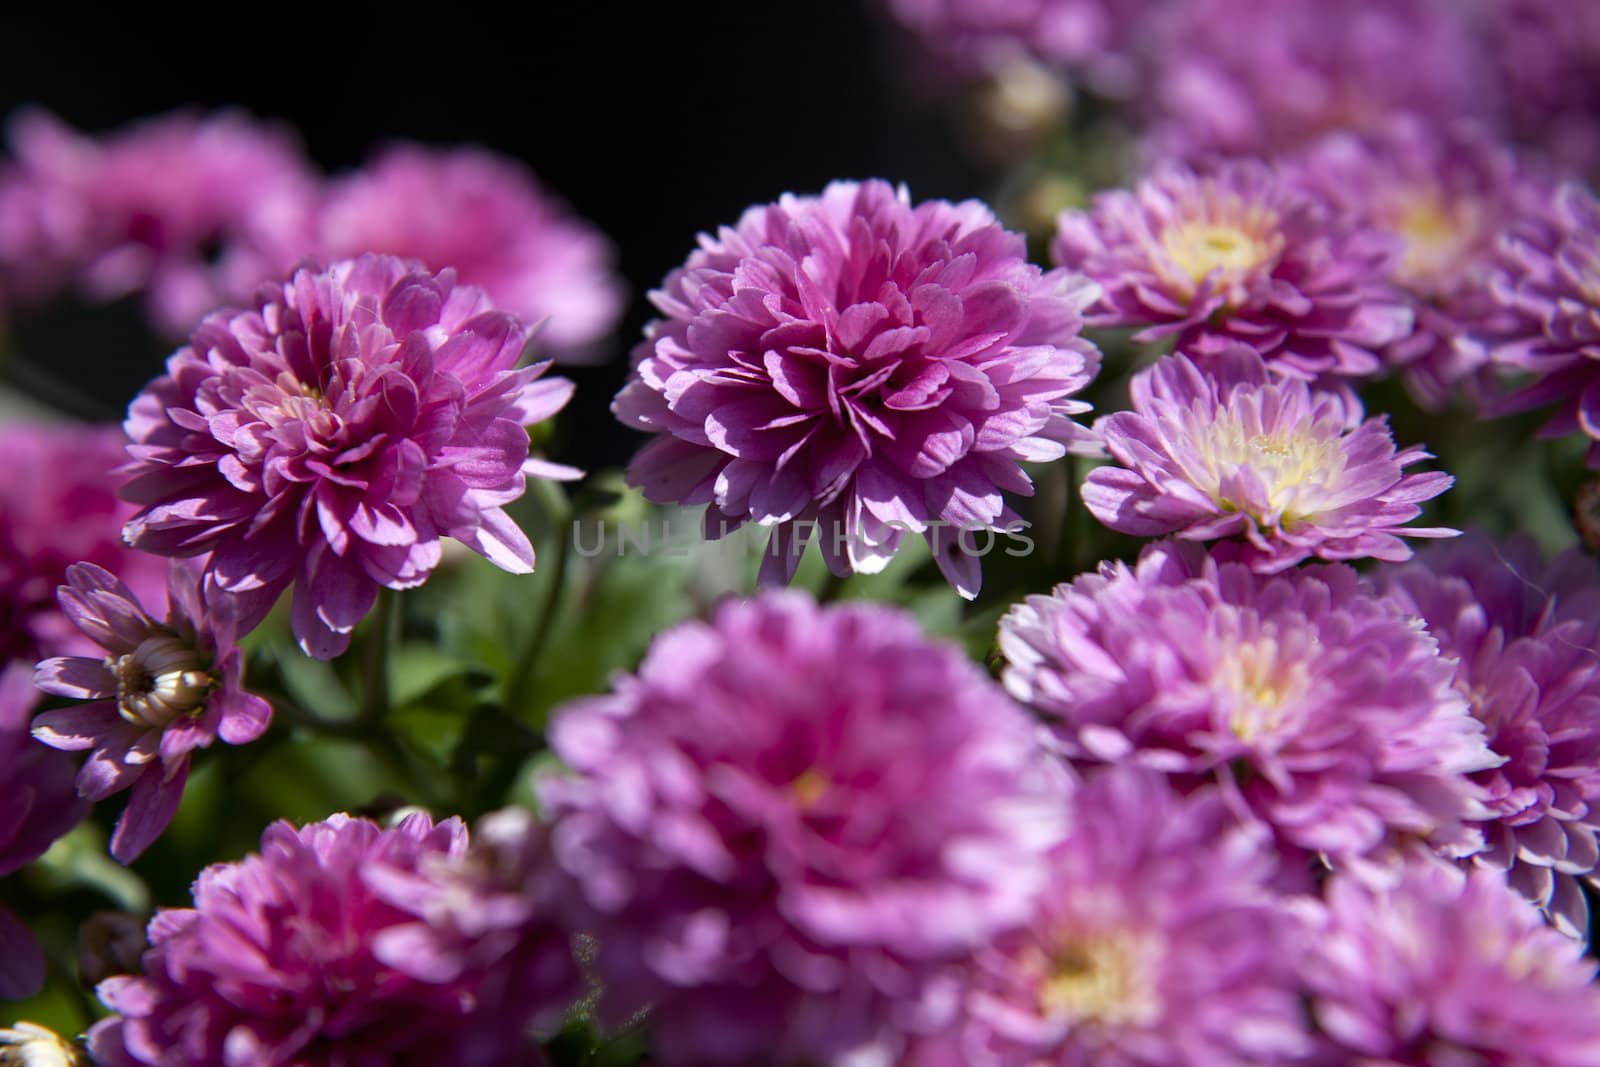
(832, 589)
(524, 671)
(375, 670)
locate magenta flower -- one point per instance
(1548, 280)
(486, 216)
(162, 690)
(753, 867)
(329, 439)
(1258, 77)
(277, 963)
(190, 211)
(58, 505)
(484, 922)
(1321, 708)
(41, 806)
(1158, 942)
(1527, 637)
(1447, 193)
(1239, 454)
(853, 365)
(1089, 37)
(1548, 57)
(1444, 970)
(1239, 254)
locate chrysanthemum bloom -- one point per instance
(1548, 58)
(31, 1045)
(853, 365)
(1527, 636)
(486, 216)
(276, 962)
(1158, 941)
(191, 211)
(1548, 279)
(161, 690)
(486, 920)
(1259, 77)
(753, 862)
(1319, 706)
(41, 806)
(1447, 193)
(1088, 37)
(330, 438)
(58, 505)
(1238, 454)
(1443, 970)
(1240, 253)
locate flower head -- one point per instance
(1447, 194)
(42, 806)
(161, 690)
(58, 505)
(1238, 454)
(1526, 635)
(1157, 942)
(277, 961)
(191, 211)
(1548, 281)
(754, 866)
(1445, 969)
(1240, 253)
(1258, 77)
(852, 363)
(485, 921)
(1323, 709)
(485, 216)
(1548, 55)
(329, 439)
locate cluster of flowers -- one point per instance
(197, 211)
(1265, 76)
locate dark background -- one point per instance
(653, 120)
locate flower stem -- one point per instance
(375, 669)
(525, 669)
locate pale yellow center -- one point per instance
(1438, 240)
(1107, 978)
(159, 681)
(808, 788)
(1223, 251)
(1293, 467)
(1263, 687)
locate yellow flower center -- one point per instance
(808, 788)
(1265, 689)
(31, 1045)
(1438, 240)
(1106, 978)
(159, 681)
(1293, 467)
(1229, 250)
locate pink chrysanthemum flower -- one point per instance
(1088, 37)
(1259, 77)
(162, 690)
(855, 366)
(1444, 970)
(487, 217)
(193, 212)
(41, 806)
(1527, 636)
(1548, 280)
(1158, 942)
(484, 920)
(1240, 253)
(1548, 57)
(1447, 194)
(329, 439)
(755, 866)
(277, 962)
(1321, 708)
(59, 506)
(1238, 454)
